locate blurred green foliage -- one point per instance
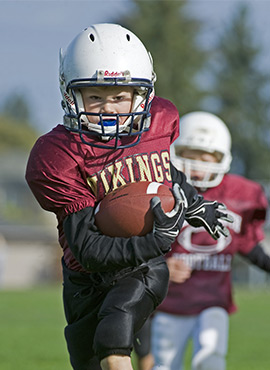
(170, 34)
(16, 130)
(225, 78)
(16, 134)
(242, 94)
(17, 137)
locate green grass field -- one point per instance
(32, 322)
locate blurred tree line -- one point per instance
(17, 136)
(226, 80)
(17, 132)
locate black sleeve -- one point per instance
(98, 253)
(258, 257)
(180, 178)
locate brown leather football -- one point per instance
(126, 211)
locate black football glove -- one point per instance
(207, 214)
(167, 225)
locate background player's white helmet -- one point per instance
(206, 132)
(106, 55)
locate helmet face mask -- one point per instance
(211, 174)
(202, 132)
(113, 56)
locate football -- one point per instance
(126, 211)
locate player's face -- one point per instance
(198, 155)
(109, 100)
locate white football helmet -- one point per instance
(206, 132)
(106, 55)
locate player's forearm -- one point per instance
(258, 257)
(97, 252)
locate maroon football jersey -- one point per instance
(66, 175)
(211, 261)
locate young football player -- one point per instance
(199, 307)
(115, 132)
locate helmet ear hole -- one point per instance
(128, 37)
(92, 37)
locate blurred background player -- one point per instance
(199, 307)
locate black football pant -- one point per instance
(103, 315)
(142, 340)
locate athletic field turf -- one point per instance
(32, 322)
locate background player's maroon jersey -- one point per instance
(66, 175)
(211, 261)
